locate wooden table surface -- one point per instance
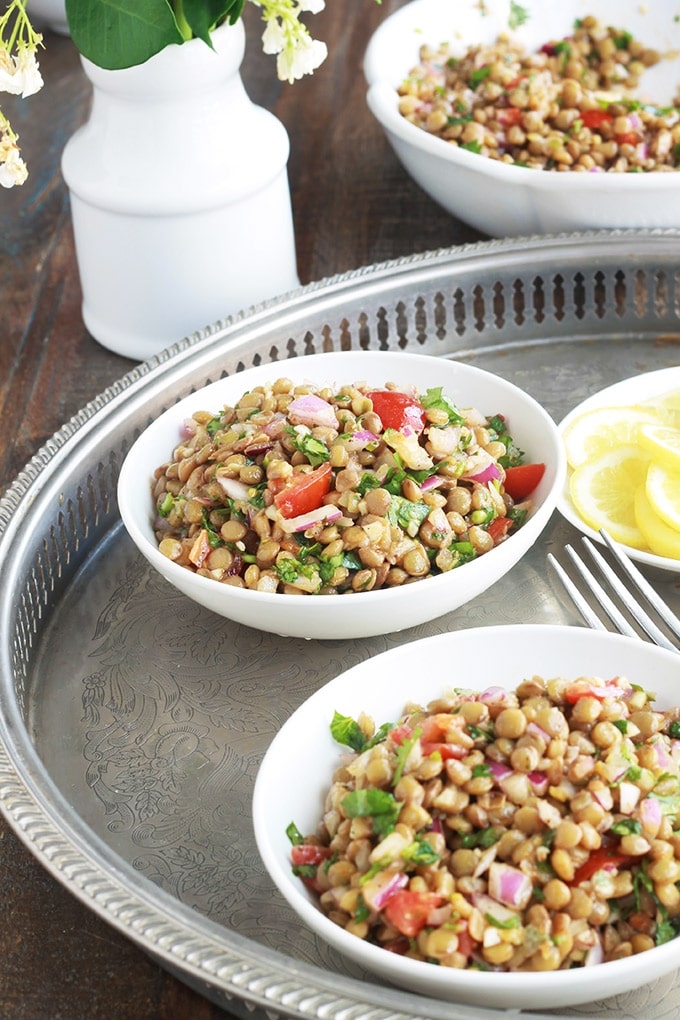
(353, 205)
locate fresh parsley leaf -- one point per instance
(404, 513)
(379, 805)
(509, 922)
(626, 827)
(518, 15)
(420, 852)
(436, 399)
(403, 751)
(314, 450)
(346, 731)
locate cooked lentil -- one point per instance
(386, 505)
(439, 843)
(567, 107)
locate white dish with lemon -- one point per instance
(623, 453)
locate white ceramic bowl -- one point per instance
(637, 389)
(296, 773)
(506, 200)
(373, 612)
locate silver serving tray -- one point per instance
(132, 722)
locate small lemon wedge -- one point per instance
(603, 492)
(663, 492)
(662, 540)
(603, 429)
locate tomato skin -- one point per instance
(432, 741)
(605, 858)
(509, 116)
(398, 410)
(595, 119)
(309, 853)
(499, 528)
(305, 492)
(520, 481)
(408, 911)
(628, 138)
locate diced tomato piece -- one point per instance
(408, 911)
(499, 528)
(595, 119)
(398, 410)
(605, 858)
(466, 943)
(432, 741)
(401, 733)
(509, 116)
(304, 492)
(309, 853)
(521, 480)
(628, 138)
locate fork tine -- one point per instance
(603, 599)
(590, 617)
(642, 585)
(633, 607)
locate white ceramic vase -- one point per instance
(179, 196)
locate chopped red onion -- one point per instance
(539, 782)
(594, 955)
(498, 770)
(233, 487)
(379, 889)
(360, 439)
(486, 905)
(509, 885)
(481, 467)
(312, 410)
(328, 512)
(538, 731)
(650, 814)
(492, 695)
(433, 482)
(188, 428)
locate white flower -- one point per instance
(9, 79)
(12, 167)
(300, 58)
(27, 67)
(313, 6)
(19, 75)
(273, 37)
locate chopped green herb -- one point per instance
(403, 751)
(436, 399)
(509, 922)
(518, 15)
(479, 75)
(294, 834)
(621, 724)
(626, 827)
(166, 504)
(483, 838)
(378, 805)
(314, 450)
(420, 852)
(472, 147)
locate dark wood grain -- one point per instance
(353, 206)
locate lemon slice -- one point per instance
(663, 443)
(661, 539)
(666, 405)
(603, 429)
(603, 492)
(663, 492)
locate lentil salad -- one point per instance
(571, 106)
(526, 830)
(303, 490)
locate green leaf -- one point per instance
(378, 805)
(203, 15)
(294, 834)
(121, 33)
(436, 398)
(420, 852)
(346, 731)
(518, 15)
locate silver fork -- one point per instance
(620, 589)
